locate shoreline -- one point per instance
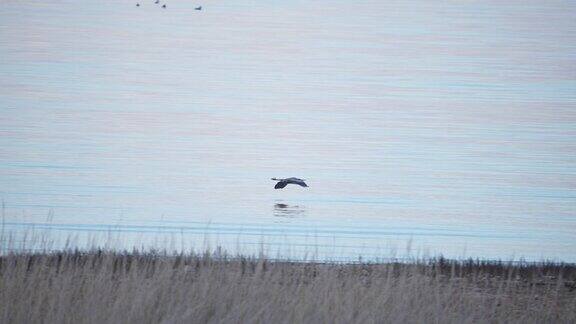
(150, 287)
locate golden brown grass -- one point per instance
(120, 287)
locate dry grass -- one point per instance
(113, 287)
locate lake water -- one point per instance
(436, 126)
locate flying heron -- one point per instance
(284, 182)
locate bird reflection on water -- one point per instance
(288, 211)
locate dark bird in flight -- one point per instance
(198, 8)
(137, 5)
(157, 2)
(284, 182)
(164, 6)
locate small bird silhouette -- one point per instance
(157, 2)
(137, 5)
(284, 182)
(198, 8)
(164, 6)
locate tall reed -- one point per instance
(100, 286)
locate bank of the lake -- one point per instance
(100, 286)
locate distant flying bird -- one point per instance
(198, 8)
(157, 2)
(137, 5)
(284, 182)
(164, 6)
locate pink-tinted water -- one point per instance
(450, 125)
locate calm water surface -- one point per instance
(447, 126)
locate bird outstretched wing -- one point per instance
(280, 185)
